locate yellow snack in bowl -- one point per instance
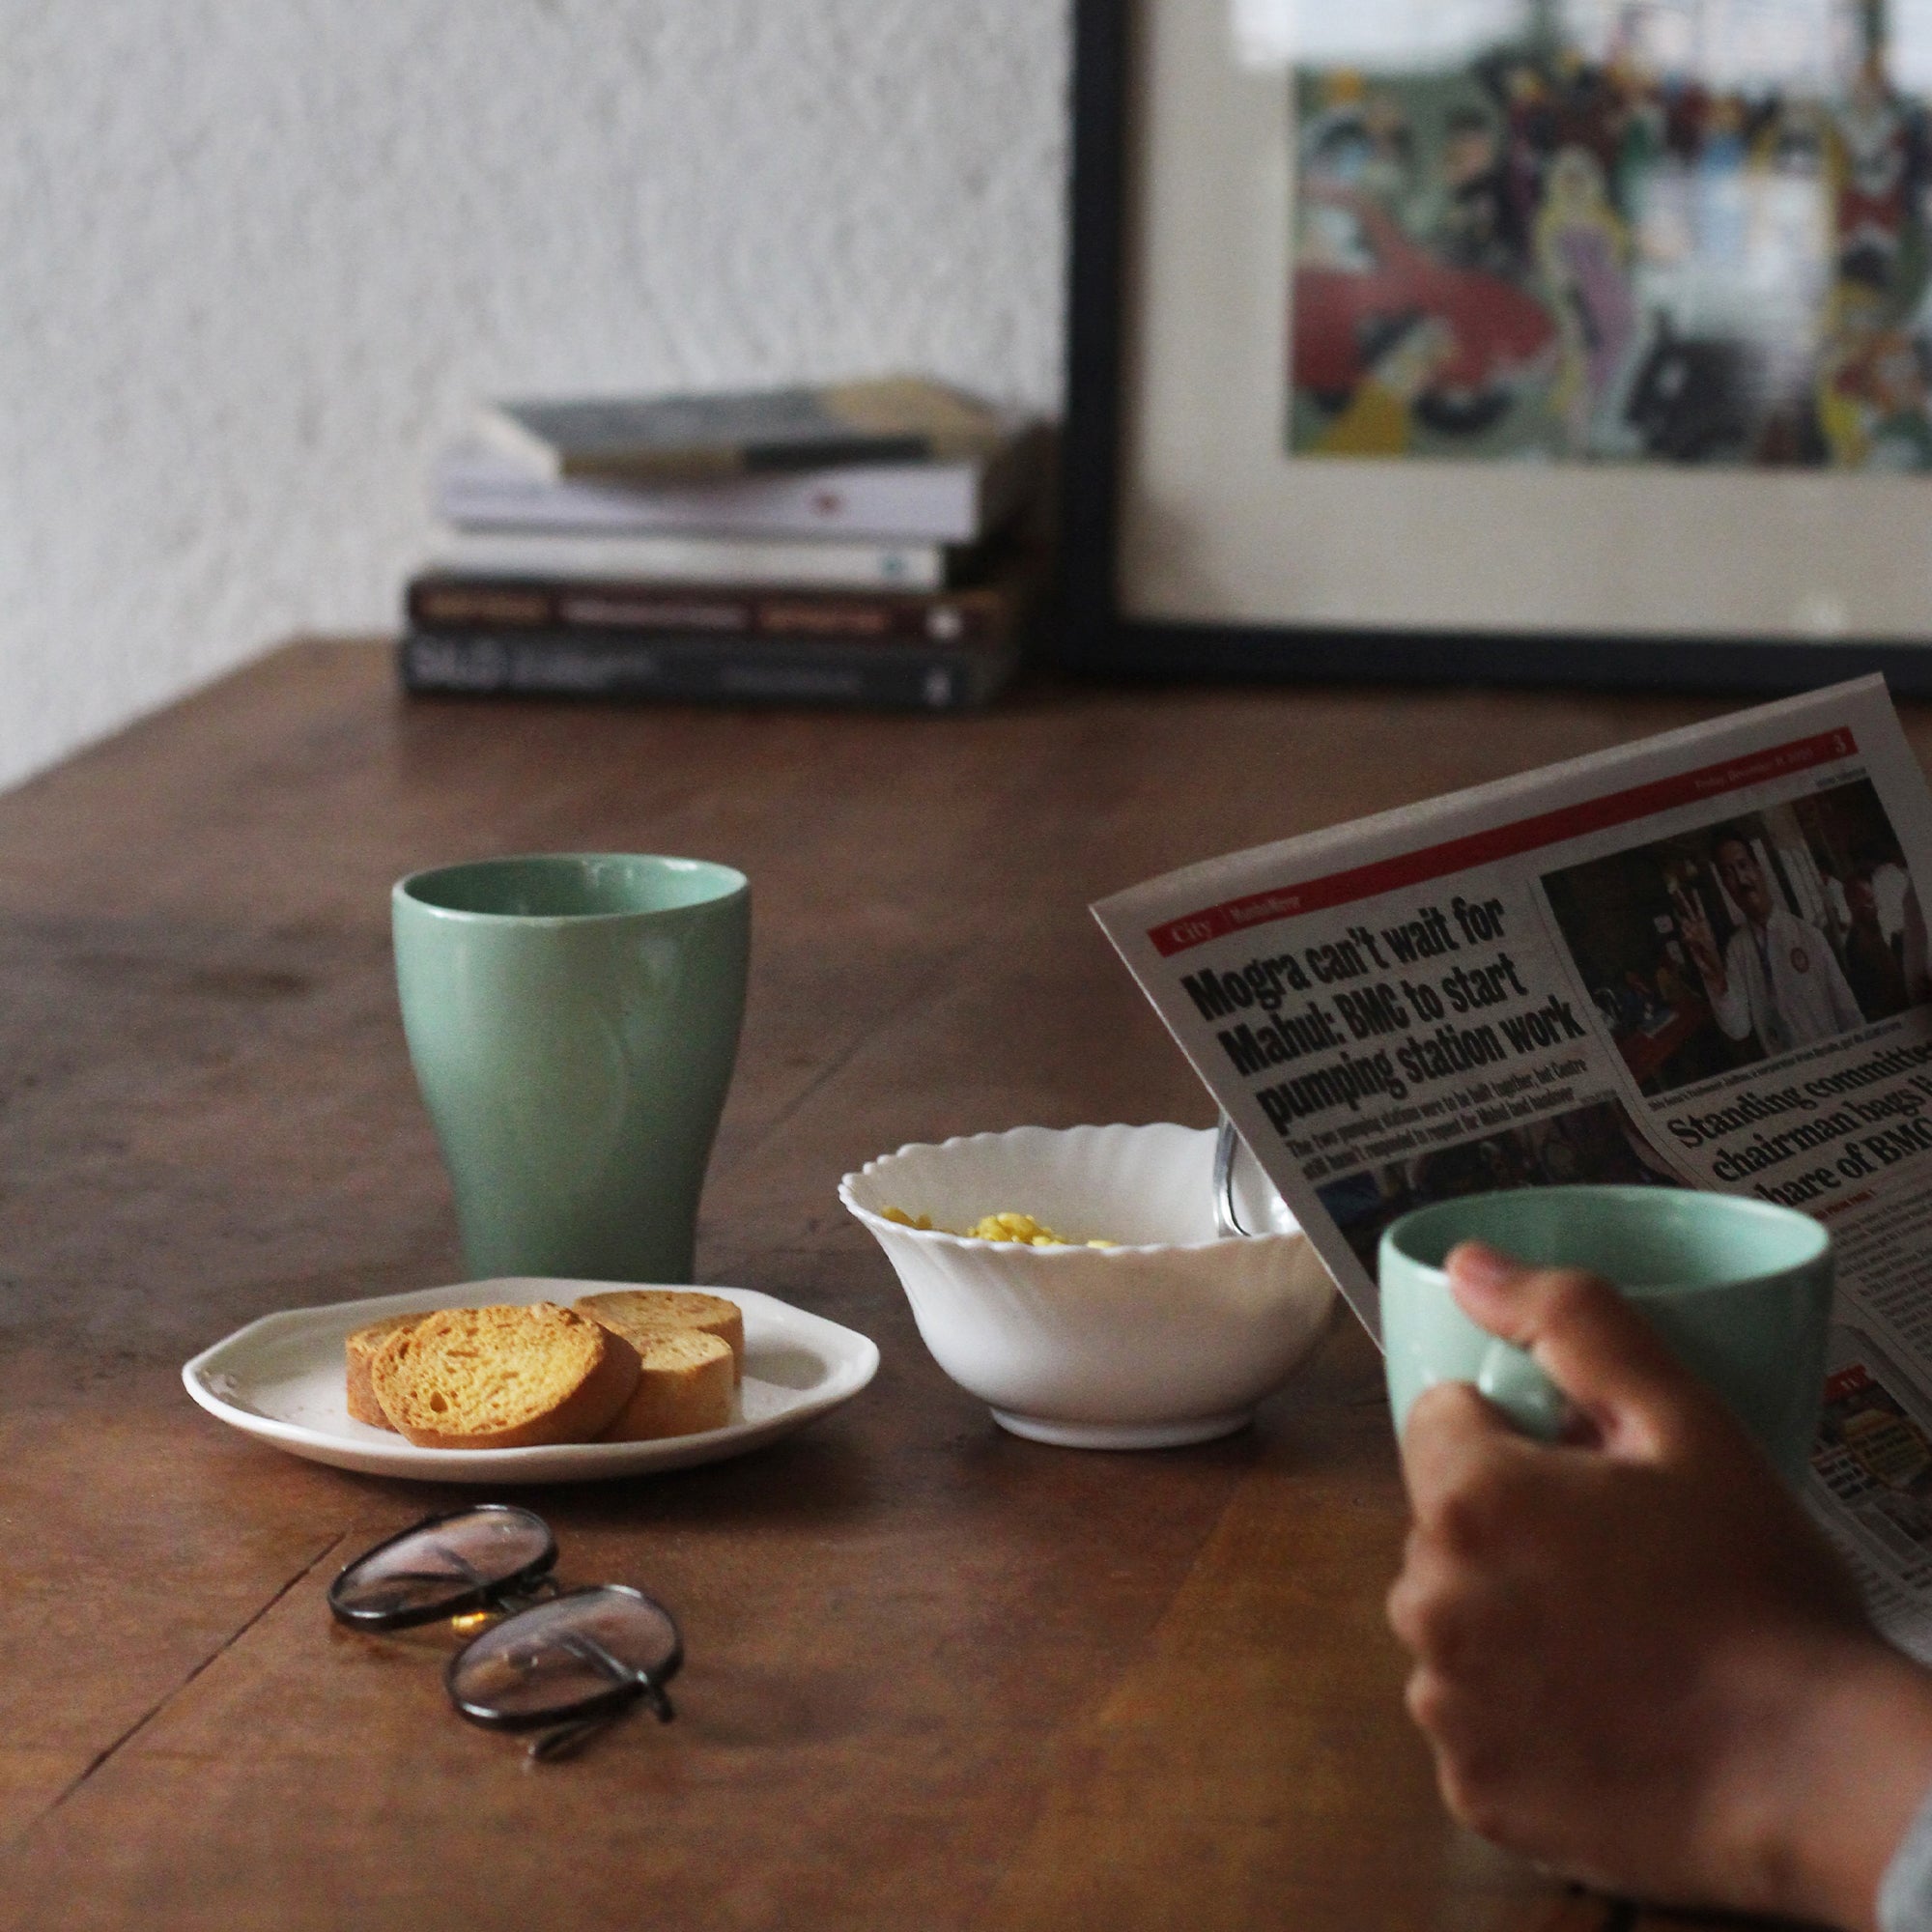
(1005, 1226)
(1010, 1227)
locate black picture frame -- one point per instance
(1096, 639)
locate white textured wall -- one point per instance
(257, 256)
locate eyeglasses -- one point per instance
(565, 1661)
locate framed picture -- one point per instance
(1582, 341)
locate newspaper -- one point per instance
(1698, 961)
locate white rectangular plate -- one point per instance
(281, 1380)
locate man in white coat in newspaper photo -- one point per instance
(1778, 976)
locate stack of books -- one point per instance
(846, 545)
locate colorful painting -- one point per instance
(1620, 231)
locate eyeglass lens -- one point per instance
(443, 1566)
(588, 1648)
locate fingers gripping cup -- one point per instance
(1740, 1291)
(573, 1020)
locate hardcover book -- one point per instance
(957, 501)
(895, 419)
(987, 614)
(491, 663)
(783, 562)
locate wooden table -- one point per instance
(938, 1677)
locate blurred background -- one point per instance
(261, 260)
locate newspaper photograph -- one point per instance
(1696, 961)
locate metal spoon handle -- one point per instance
(1227, 1144)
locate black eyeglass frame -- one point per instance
(486, 1595)
(628, 1686)
(530, 1586)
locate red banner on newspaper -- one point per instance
(1503, 842)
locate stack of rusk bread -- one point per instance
(627, 1365)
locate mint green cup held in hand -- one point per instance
(573, 1020)
(1740, 1291)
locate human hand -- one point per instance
(1702, 943)
(1635, 1658)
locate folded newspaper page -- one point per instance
(1698, 961)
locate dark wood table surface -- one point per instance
(937, 1677)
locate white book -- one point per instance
(789, 561)
(956, 502)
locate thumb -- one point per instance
(1589, 1341)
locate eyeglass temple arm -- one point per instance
(565, 1740)
(581, 1644)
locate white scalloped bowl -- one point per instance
(1171, 1337)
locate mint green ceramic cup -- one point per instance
(572, 1019)
(1740, 1289)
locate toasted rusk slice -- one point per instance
(637, 1311)
(360, 1350)
(503, 1378)
(684, 1385)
